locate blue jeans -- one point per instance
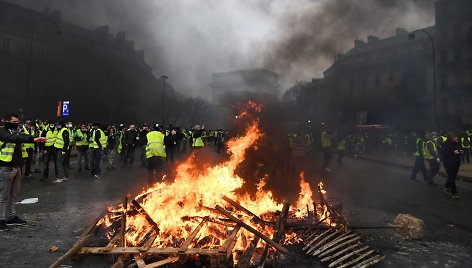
(10, 182)
(97, 155)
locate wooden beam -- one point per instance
(192, 236)
(162, 262)
(140, 209)
(152, 251)
(112, 242)
(139, 260)
(241, 208)
(252, 230)
(224, 248)
(80, 242)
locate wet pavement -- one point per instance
(372, 194)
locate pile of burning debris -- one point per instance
(199, 220)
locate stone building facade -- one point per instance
(102, 74)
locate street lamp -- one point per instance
(411, 36)
(30, 58)
(163, 77)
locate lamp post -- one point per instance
(30, 58)
(164, 100)
(411, 36)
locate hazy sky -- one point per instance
(188, 40)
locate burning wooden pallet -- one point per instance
(219, 257)
(321, 239)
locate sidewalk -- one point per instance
(465, 170)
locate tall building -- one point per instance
(389, 79)
(102, 74)
(261, 82)
(454, 62)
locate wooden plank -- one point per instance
(357, 259)
(307, 246)
(140, 209)
(139, 260)
(339, 253)
(334, 242)
(80, 242)
(152, 251)
(112, 242)
(241, 208)
(355, 239)
(192, 236)
(162, 262)
(278, 232)
(123, 223)
(252, 230)
(323, 241)
(245, 258)
(347, 256)
(149, 242)
(224, 248)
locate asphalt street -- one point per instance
(371, 193)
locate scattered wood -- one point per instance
(252, 230)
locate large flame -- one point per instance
(178, 207)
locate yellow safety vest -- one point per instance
(198, 142)
(51, 136)
(103, 139)
(427, 154)
(465, 142)
(7, 150)
(325, 141)
(59, 143)
(155, 144)
(29, 145)
(418, 146)
(120, 140)
(84, 140)
(342, 145)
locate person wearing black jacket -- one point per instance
(130, 141)
(451, 153)
(11, 160)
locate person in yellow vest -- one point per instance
(341, 147)
(419, 160)
(432, 156)
(62, 145)
(465, 142)
(326, 147)
(81, 138)
(12, 153)
(29, 129)
(156, 151)
(98, 143)
(49, 150)
(197, 137)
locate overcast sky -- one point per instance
(188, 40)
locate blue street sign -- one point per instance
(65, 108)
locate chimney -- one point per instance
(372, 38)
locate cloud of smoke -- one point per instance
(190, 40)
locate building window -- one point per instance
(6, 44)
(443, 56)
(458, 55)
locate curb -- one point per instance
(442, 173)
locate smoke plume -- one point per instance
(190, 40)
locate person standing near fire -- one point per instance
(62, 144)
(419, 161)
(50, 133)
(156, 151)
(12, 153)
(197, 137)
(451, 153)
(326, 147)
(431, 155)
(98, 143)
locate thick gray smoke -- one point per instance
(190, 40)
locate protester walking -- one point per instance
(451, 152)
